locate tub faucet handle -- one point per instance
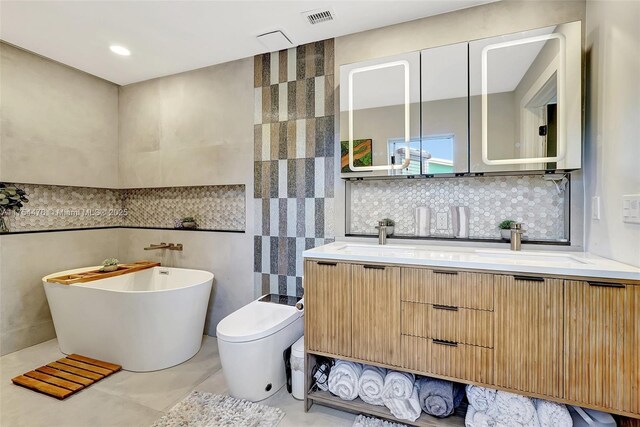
(170, 246)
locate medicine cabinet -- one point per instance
(525, 100)
(501, 104)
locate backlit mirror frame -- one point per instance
(561, 87)
(407, 101)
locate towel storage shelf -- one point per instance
(357, 406)
(537, 335)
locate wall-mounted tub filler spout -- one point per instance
(170, 246)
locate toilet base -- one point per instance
(255, 370)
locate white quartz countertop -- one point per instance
(563, 263)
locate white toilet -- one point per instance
(251, 342)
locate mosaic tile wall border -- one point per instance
(294, 161)
(50, 208)
(489, 199)
(213, 207)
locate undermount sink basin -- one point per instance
(477, 255)
(379, 250)
(530, 256)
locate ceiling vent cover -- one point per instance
(318, 16)
(275, 40)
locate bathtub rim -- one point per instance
(83, 269)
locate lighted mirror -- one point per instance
(379, 116)
(525, 100)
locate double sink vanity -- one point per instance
(559, 325)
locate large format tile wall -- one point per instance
(294, 161)
(51, 207)
(535, 202)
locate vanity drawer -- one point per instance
(467, 362)
(444, 287)
(462, 325)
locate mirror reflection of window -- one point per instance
(440, 149)
(396, 154)
(431, 156)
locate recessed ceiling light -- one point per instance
(120, 50)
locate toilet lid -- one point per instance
(256, 320)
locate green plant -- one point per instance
(12, 198)
(389, 222)
(506, 224)
(110, 261)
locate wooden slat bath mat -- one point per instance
(62, 378)
(88, 276)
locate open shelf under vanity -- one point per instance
(358, 406)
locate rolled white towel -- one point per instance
(476, 418)
(513, 410)
(552, 414)
(398, 385)
(481, 398)
(343, 379)
(405, 408)
(371, 385)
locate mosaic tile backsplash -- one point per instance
(59, 207)
(527, 199)
(294, 161)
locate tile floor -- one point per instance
(129, 399)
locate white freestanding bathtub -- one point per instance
(144, 321)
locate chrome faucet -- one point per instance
(170, 246)
(516, 236)
(382, 232)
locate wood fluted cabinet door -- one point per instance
(602, 362)
(529, 334)
(376, 314)
(633, 334)
(327, 297)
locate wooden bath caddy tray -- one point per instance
(88, 276)
(62, 378)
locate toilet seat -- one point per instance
(256, 320)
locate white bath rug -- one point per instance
(201, 409)
(362, 421)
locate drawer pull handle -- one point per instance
(453, 273)
(529, 278)
(443, 342)
(332, 264)
(374, 267)
(445, 307)
(607, 285)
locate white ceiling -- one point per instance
(168, 37)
